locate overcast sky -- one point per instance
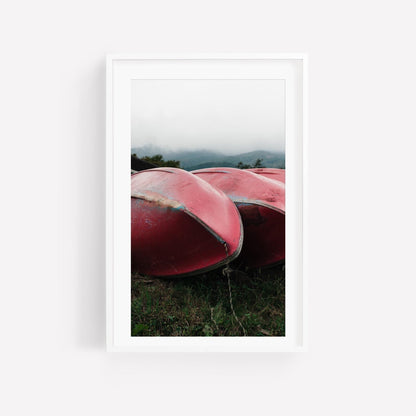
(230, 116)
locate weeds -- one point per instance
(200, 305)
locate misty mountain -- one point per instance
(199, 159)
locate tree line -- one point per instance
(159, 161)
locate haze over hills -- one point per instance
(199, 159)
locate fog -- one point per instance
(229, 116)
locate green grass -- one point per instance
(200, 305)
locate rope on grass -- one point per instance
(213, 320)
(226, 272)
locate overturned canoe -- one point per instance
(271, 173)
(261, 203)
(180, 225)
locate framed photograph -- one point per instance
(205, 208)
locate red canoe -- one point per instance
(180, 225)
(261, 203)
(271, 173)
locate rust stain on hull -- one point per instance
(158, 199)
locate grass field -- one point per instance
(200, 305)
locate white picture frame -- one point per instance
(121, 70)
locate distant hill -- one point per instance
(269, 159)
(199, 159)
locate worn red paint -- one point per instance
(261, 203)
(271, 173)
(180, 224)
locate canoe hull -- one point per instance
(261, 203)
(264, 236)
(173, 232)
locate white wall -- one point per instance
(361, 210)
